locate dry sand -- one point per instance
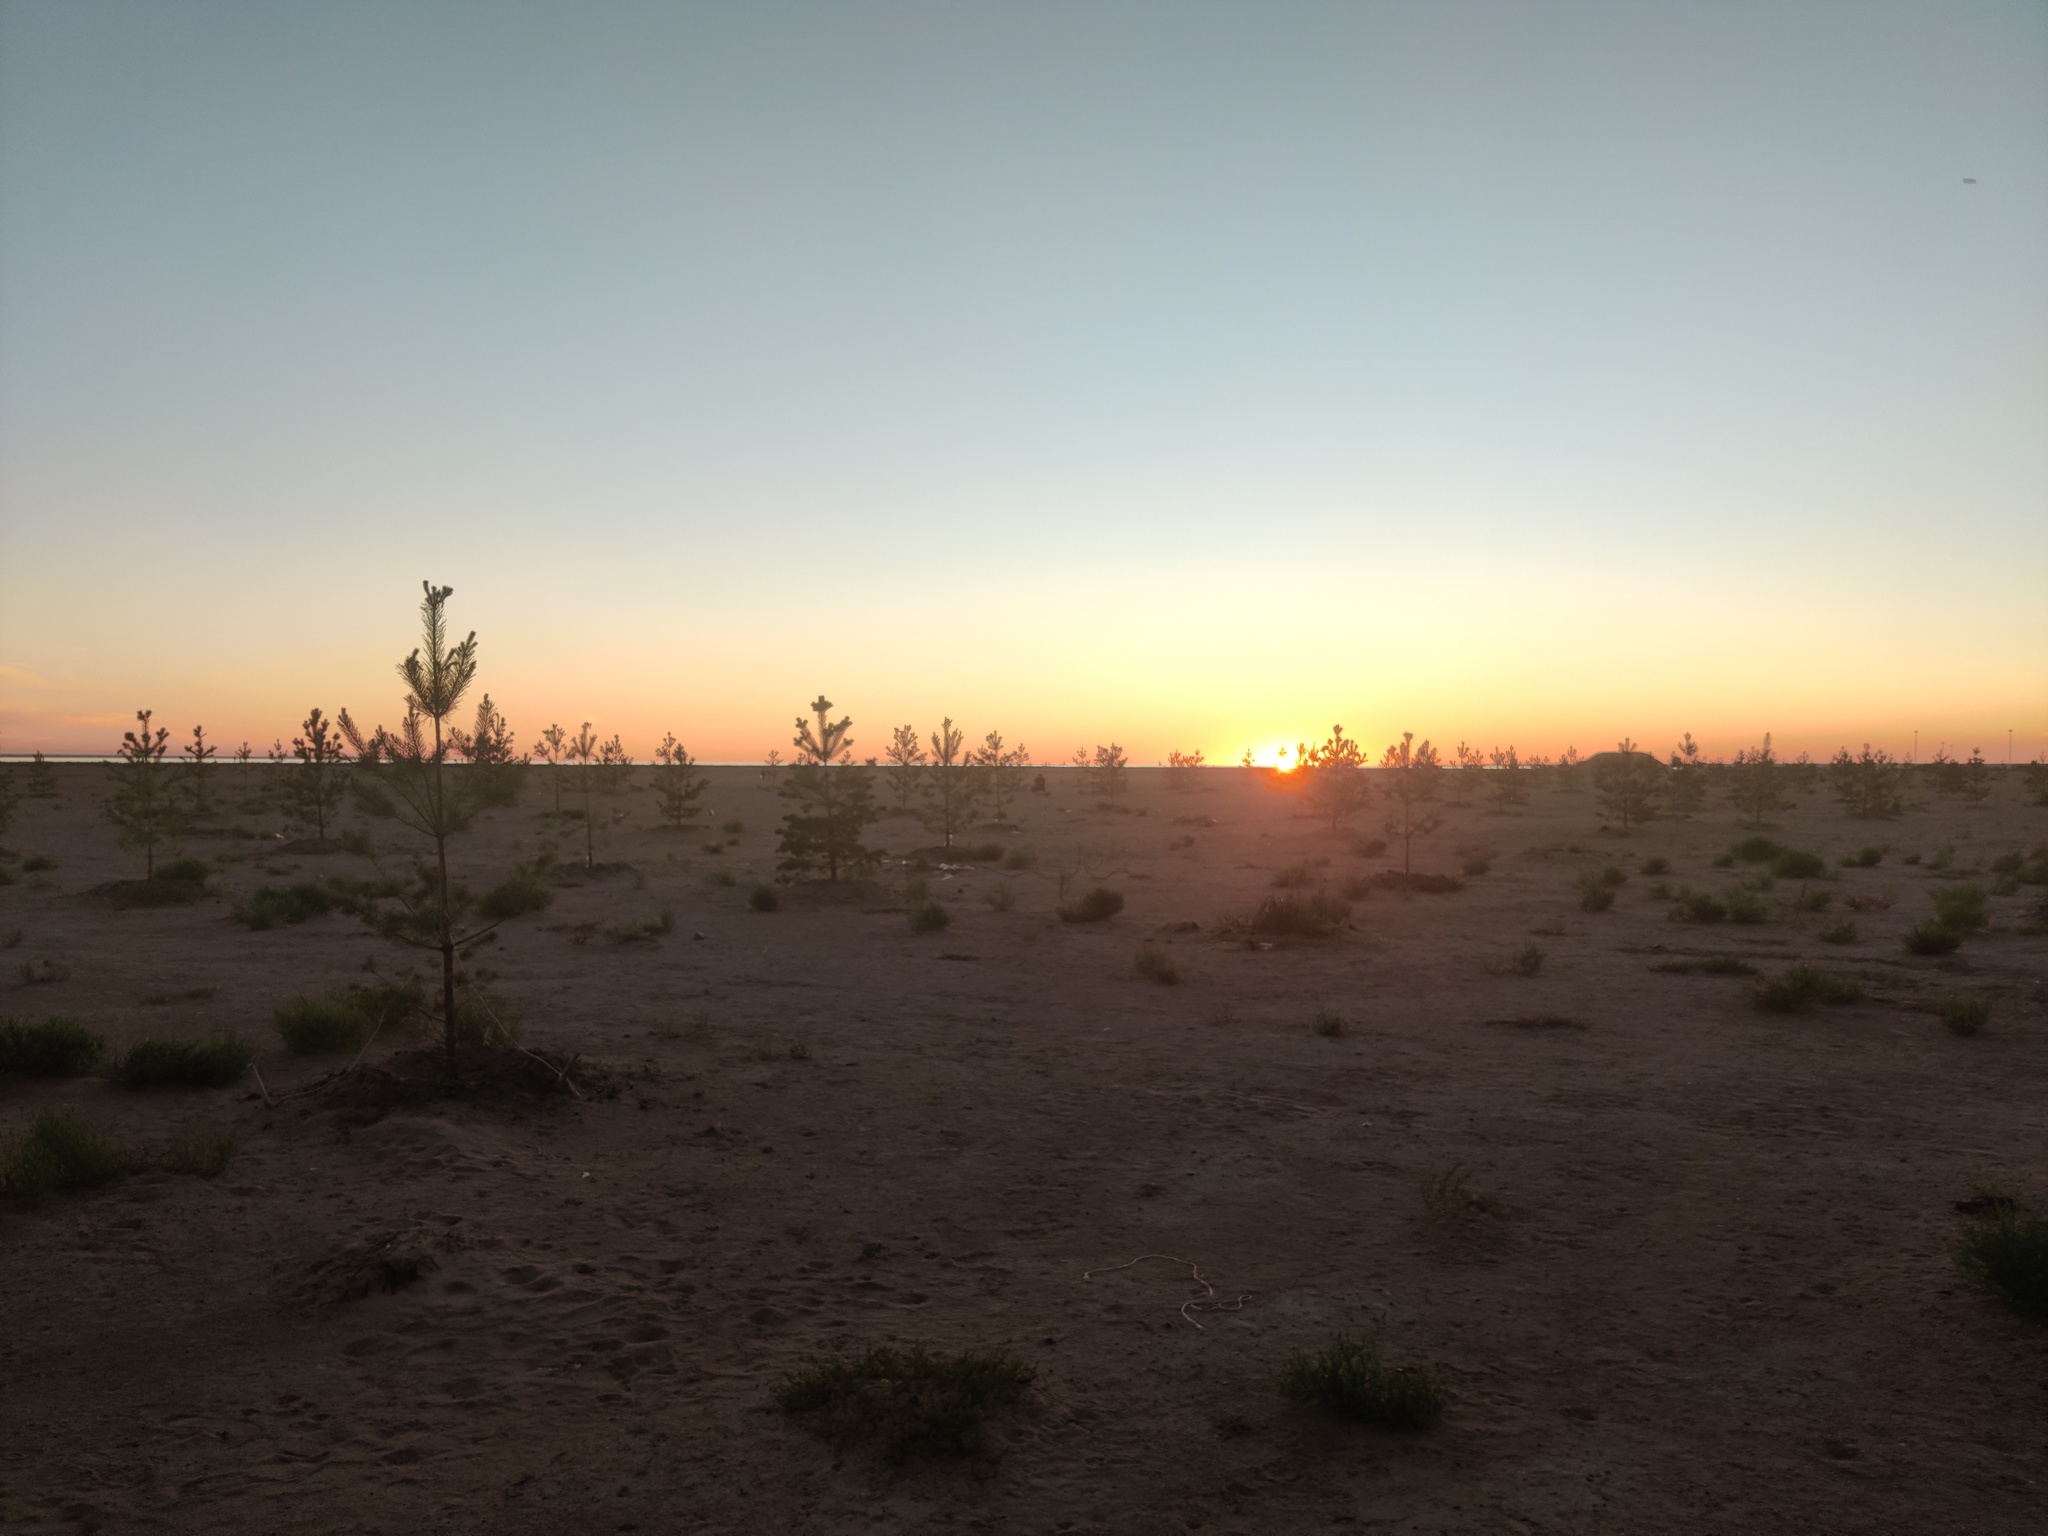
(1720, 1298)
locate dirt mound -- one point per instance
(417, 1077)
(385, 1261)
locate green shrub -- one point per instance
(723, 877)
(1797, 990)
(1002, 898)
(345, 1019)
(204, 1150)
(1960, 908)
(929, 916)
(211, 1063)
(1019, 858)
(1797, 864)
(1156, 965)
(1932, 938)
(2005, 1249)
(1756, 850)
(1369, 848)
(643, 930)
(1097, 906)
(1348, 1378)
(1595, 894)
(516, 895)
(1657, 866)
(1839, 933)
(734, 828)
(1814, 901)
(1417, 883)
(279, 906)
(35, 863)
(918, 1403)
(1475, 865)
(1315, 915)
(763, 898)
(1965, 1015)
(54, 1048)
(1526, 961)
(1327, 1024)
(979, 853)
(1293, 875)
(62, 1151)
(1863, 858)
(1747, 907)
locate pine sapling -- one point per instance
(42, 778)
(905, 773)
(140, 807)
(1002, 770)
(1628, 784)
(495, 770)
(1337, 786)
(677, 784)
(1755, 783)
(831, 800)
(951, 784)
(313, 791)
(197, 772)
(1413, 777)
(552, 748)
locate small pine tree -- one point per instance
(312, 792)
(1870, 786)
(1755, 784)
(10, 798)
(1104, 773)
(1509, 779)
(408, 775)
(1002, 770)
(1183, 771)
(1685, 791)
(1337, 786)
(600, 768)
(905, 772)
(495, 764)
(42, 778)
(951, 784)
(140, 806)
(1628, 784)
(1470, 761)
(677, 784)
(552, 748)
(198, 772)
(1414, 779)
(831, 801)
(1567, 768)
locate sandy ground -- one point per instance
(1720, 1298)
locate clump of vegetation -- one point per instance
(1292, 876)
(1156, 965)
(1337, 787)
(1096, 906)
(1710, 965)
(141, 807)
(644, 930)
(1697, 907)
(1414, 778)
(1757, 850)
(1656, 866)
(951, 784)
(764, 898)
(2005, 1249)
(1002, 771)
(1839, 933)
(1871, 786)
(1315, 915)
(1327, 1024)
(1863, 858)
(1932, 938)
(1019, 858)
(214, 1063)
(1451, 1201)
(1964, 1015)
(931, 915)
(202, 1150)
(1347, 1377)
(282, 906)
(1629, 783)
(57, 1047)
(678, 786)
(39, 973)
(36, 863)
(1797, 990)
(311, 794)
(62, 1152)
(516, 895)
(1960, 908)
(1756, 783)
(344, 1019)
(1526, 961)
(917, 1403)
(831, 800)
(1797, 864)
(1745, 906)
(1001, 899)
(1596, 888)
(1105, 774)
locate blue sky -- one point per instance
(1194, 374)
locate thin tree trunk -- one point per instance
(447, 926)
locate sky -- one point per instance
(1187, 376)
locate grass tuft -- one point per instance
(1964, 1015)
(1327, 1024)
(1756, 850)
(1293, 876)
(211, 1063)
(1960, 908)
(62, 1151)
(1798, 864)
(929, 916)
(2005, 1249)
(56, 1047)
(763, 898)
(1657, 866)
(203, 1150)
(1797, 990)
(1839, 933)
(1347, 1377)
(1932, 938)
(283, 906)
(1315, 916)
(918, 1403)
(1863, 858)
(1157, 965)
(1711, 965)
(345, 1019)
(516, 895)
(1097, 906)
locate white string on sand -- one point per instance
(1206, 1302)
(260, 1085)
